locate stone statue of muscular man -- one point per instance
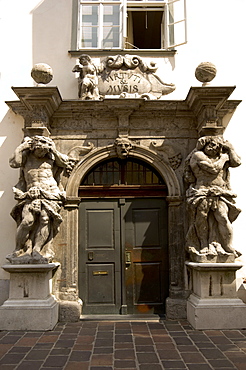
(40, 196)
(210, 199)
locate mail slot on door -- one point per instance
(96, 273)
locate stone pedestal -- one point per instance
(30, 305)
(213, 303)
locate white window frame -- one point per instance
(131, 5)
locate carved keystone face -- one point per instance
(123, 147)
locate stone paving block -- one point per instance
(103, 350)
(193, 358)
(101, 368)
(79, 356)
(102, 360)
(121, 345)
(165, 346)
(152, 367)
(7, 367)
(234, 334)
(169, 355)
(44, 345)
(64, 344)
(4, 348)
(200, 367)
(220, 363)
(183, 341)
(30, 365)
(212, 353)
(48, 339)
(237, 357)
(12, 358)
(188, 348)
(55, 361)
(205, 345)
(173, 364)
(127, 354)
(37, 354)
(143, 341)
(199, 338)
(18, 349)
(10, 339)
(77, 366)
(103, 342)
(85, 339)
(127, 364)
(145, 349)
(147, 358)
(123, 338)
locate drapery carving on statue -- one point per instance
(210, 200)
(123, 146)
(87, 80)
(40, 196)
(168, 152)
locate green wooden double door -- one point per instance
(123, 256)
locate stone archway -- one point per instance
(176, 302)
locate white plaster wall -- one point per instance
(216, 30)
(34, 31)
(15, 66)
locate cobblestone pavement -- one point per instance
(101, 345)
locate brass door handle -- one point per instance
(128, 259)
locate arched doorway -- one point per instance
(123, 239)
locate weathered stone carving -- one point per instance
(40, 196)
(78, 151)
(211, 203)
(42, 73)
(130, 62)
(205, 72)
(88, 80)
(168, 152)
(129, 76)
(123, 146)
(125, 76)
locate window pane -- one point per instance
(89, 29)
(111, 29)
(89, 37)
(114, 172)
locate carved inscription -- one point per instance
(115, 83)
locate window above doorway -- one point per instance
(128, 24)
(127, 177)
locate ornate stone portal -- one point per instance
(160, 133)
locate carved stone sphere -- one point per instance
(42, 73)
(205, 72)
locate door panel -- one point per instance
(99, 257)
(123, 261)
(145, 224)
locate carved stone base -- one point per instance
(69, 311)
(175, 309)
(213, 303)
(30, 305)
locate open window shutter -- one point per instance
(124, 22)
(174, 24)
